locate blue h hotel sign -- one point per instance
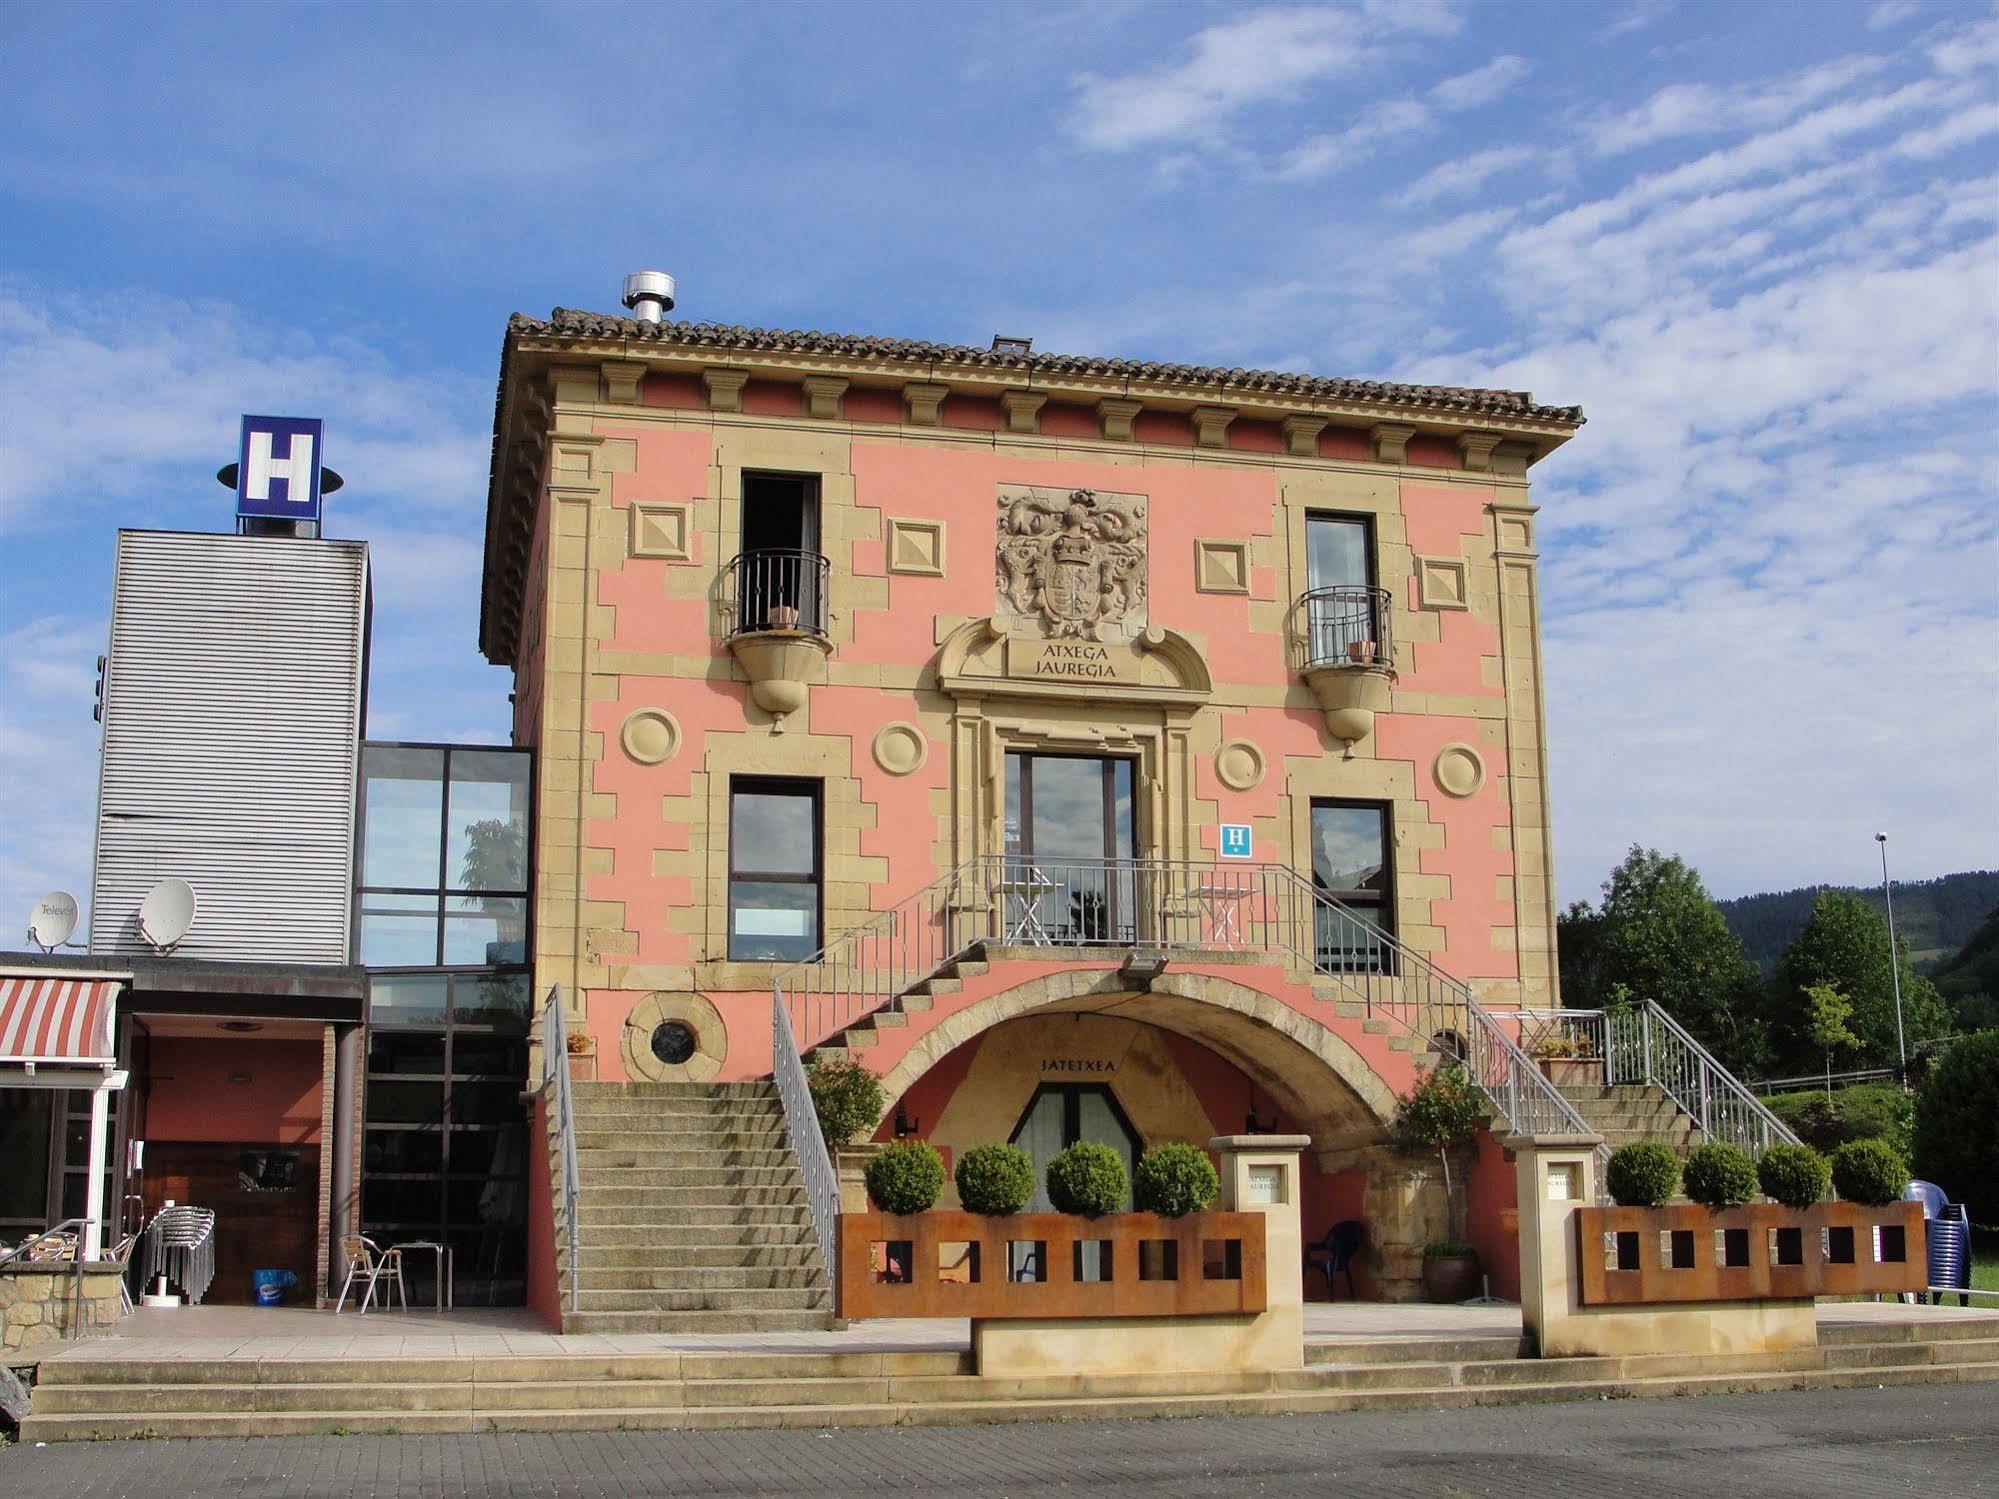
(277, 472)
(1235, 840)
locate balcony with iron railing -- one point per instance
(1344, 641)
(776, 620)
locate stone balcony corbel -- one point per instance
(922, 403)
(1301, 435)
(1023, 409)
(725, 388)
(1117, 417)
(1211, 425)
(1391, 442)
(825, 397)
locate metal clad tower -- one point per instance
(232, 721)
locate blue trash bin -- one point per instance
(271, 1285)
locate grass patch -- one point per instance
(1985, 1259)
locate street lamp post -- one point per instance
(1894, 960)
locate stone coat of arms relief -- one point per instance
(1071, 563)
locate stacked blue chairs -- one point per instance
(1948, 1232)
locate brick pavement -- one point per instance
(1940, 1441)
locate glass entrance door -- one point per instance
(1339, 617)
(1059, 1115)
(1071, 835)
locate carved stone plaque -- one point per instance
(1071, 564)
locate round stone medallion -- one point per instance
(1239, 764)
(901, 748)
(1459, 771)
(650, 736)
(674, 1038)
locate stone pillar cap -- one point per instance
(1566, 1140)
(1260, 1142)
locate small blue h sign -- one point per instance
(277, 471)
(1235, 840)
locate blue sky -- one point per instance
(1755, 242)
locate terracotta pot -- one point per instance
(1576, 1070)
(1450, 1277)
(782, 617)
(583, 1066)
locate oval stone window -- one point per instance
(673, 1042)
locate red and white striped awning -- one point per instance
(56, 1020)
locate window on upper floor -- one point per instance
(775, 854)
(1353, 863)
(780, 581)
(1343, 612)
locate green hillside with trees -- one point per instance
(1933, 917)
(1826, 1000)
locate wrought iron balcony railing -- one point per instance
(776, 590)
(1345, 625)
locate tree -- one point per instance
(1844, 943)
(1579, 954)
(1957, 1124)
(1443, 1109)
(1826, 1014)
(1659, 935)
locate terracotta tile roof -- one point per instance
(569, 323)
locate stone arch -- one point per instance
(1314, 1075)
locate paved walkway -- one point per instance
(291, 1332)
(1940, 1442)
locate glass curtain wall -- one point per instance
(442, 924)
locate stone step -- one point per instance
(649, 1118)
(673, 1275)
(706, 1299)
(650, 1256)
(628, 1209)
(758, 1088)
(658, 1320)
(406, 1406)
(623, 1234)
(762, 1135)
(747, 1159)
(915, 1004)
(692, 1176)
(720, 1192)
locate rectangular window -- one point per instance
(1352, 863)
(1339, 551)
(774, 870)
(1340, 613)
(779, 585)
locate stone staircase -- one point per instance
(919, 998)
(1623, 1112)
(691, 1215)
(96, 1397)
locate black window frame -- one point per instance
(1367, 532)
(1382, 902)
(445, 891)
(807, 788)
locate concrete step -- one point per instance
(683, 1160)
(710, 1181)
(770, 1319)
(590, 1092)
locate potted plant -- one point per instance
(1361, 652)
(1642, 1174)
(1796, 1176)
(1564, 1057)
(903, 1178)
(582, 1049)
(1442, 1111)
(781, 617)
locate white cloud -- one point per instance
(1466, 173)
(1683, 109)
(1481, 86)
(1891, 13)
(1263, 56)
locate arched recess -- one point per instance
(1314, 1076)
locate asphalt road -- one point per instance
(1940, 1440)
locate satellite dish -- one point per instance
(166, 913)
(53, 920)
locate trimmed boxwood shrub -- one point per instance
(1175, 1180)
(1087, 1178)
(1719, 1175)
(995, 1179)
(1643, 1174)
(905, 1177)
(1795, 1175)
(846, 1096)
(1869, 1171)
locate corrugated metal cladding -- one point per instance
(232, 720)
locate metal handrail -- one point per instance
(771, 589)
(1001, 900)
(808, 1141)
(1345, 625)
(562, 1105)
(1642, 1044)
(81, 1225)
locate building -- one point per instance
(335, 1041)
(1095, 749)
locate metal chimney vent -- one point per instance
(649, 294)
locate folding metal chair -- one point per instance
(369, 1262)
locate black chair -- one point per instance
(1335, 1254)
